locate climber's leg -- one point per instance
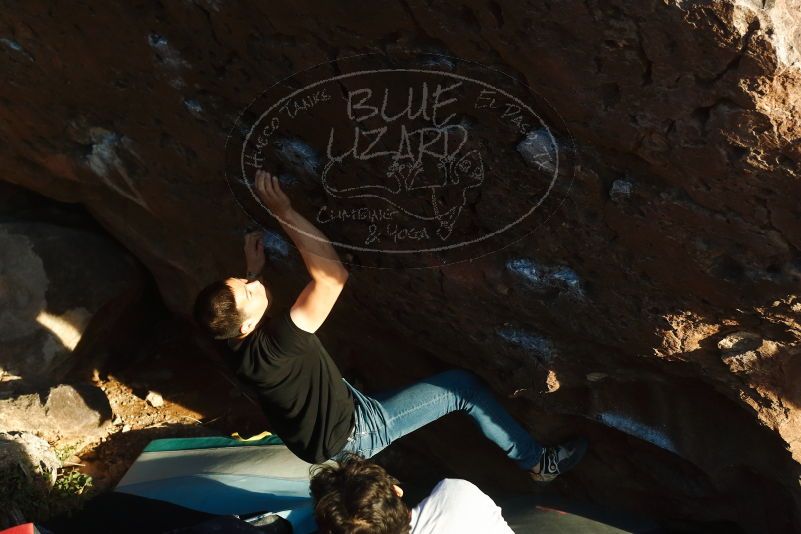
(394, 414)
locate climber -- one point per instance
(358, 495)
(309, 405)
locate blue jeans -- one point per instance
(382, 419)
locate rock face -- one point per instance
(54, 282)
(656, 310)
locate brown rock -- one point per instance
(154, 399)
(70, 412)
(695, 103)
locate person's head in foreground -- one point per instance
(358, 497)
(231, 308)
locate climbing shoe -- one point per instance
(556, 460)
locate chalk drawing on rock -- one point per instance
(422, 143)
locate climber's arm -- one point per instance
(327, 272)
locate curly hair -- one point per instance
(215, 311)
(357, 497)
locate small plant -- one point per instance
(65, 453)
(72, 483)
(33, 501)
(71, 490)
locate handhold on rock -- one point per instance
(541, 347)
(632, 427)
(567, 278)
(298, 154)
(541, 277)
(741, 362)
(620, 190)
(275, 245)
(12, 44)
(193, 106)
(595, 377)
(538, 149)
(436, 59)
(526, 268)
(742, 351)
(739, 342)
(551, 382)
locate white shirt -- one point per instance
(458, 507)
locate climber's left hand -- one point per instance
(254, 252)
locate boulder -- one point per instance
(28, 470)
(68, 412)
(57, 283)
(31, 454)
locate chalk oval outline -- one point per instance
(464, 243)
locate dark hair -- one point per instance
(215, 311)
(357, 497)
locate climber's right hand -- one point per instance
(268, 188)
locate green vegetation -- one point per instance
(65, 452)
(26, 494)
(71, 490)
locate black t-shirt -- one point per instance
(300, 387)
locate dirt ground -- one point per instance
(199, 397)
